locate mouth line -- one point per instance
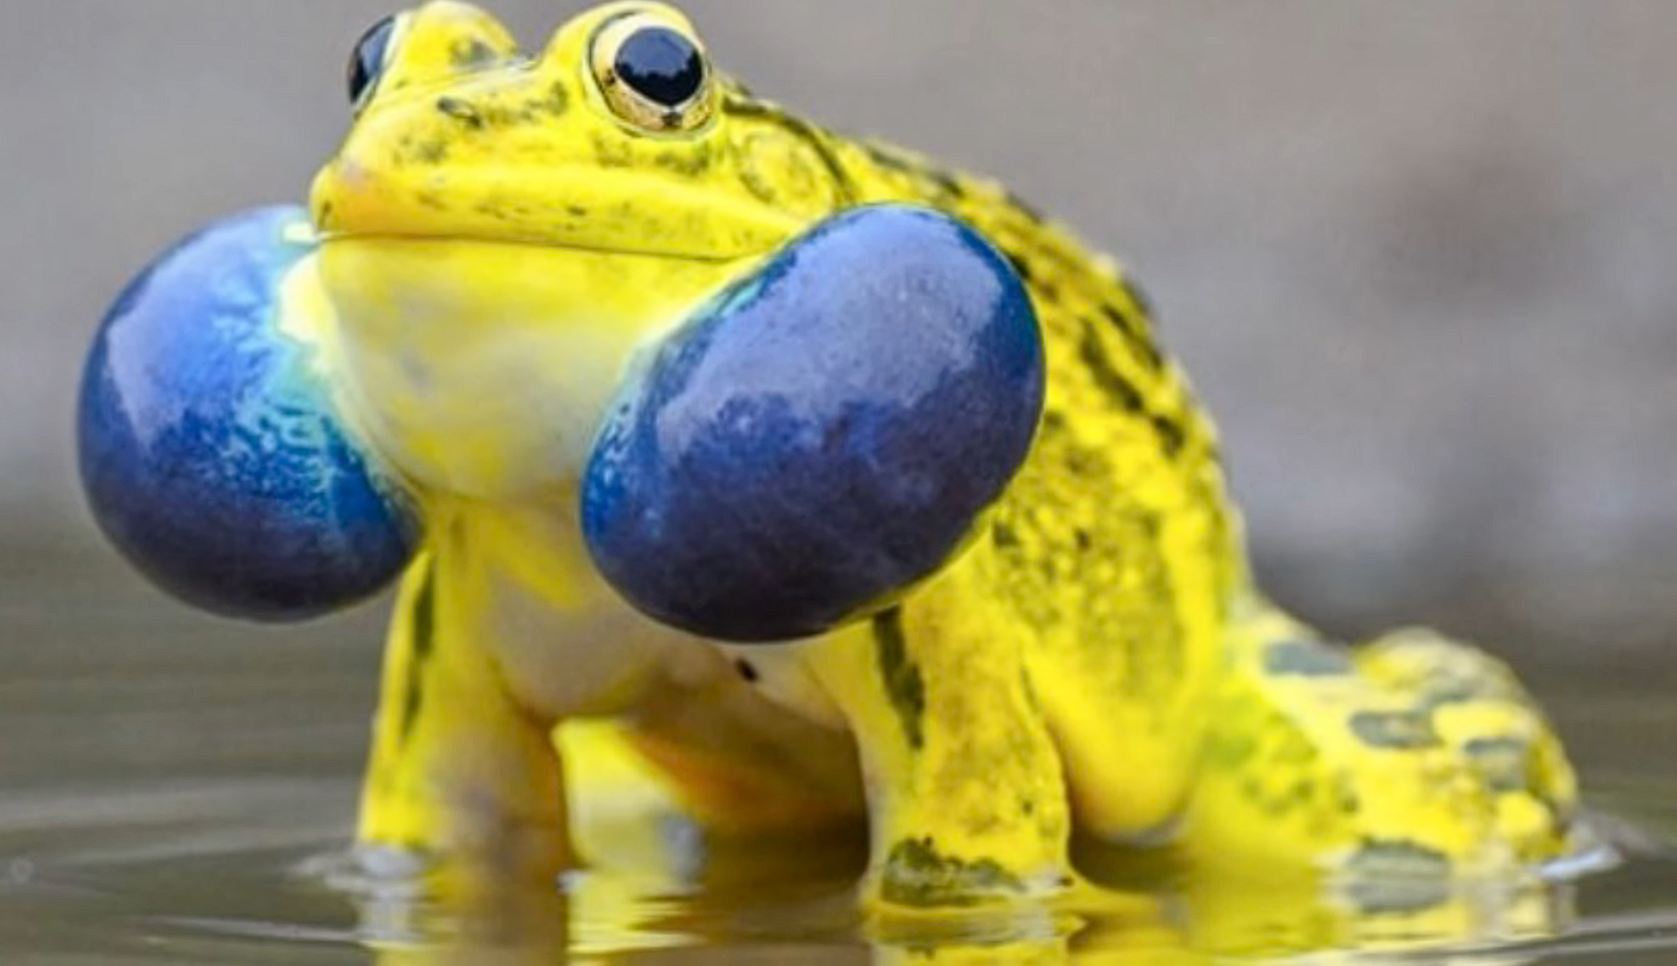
(323, 238)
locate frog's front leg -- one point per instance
(965, 789)
(817, 441)
(461, 770)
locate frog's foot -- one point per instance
(966, 793)
(1413, 757)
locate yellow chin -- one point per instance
(484, 368)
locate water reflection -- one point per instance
(606, 918)
(245, 872)
(655, 889)
(168, 803)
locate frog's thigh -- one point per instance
(965, 791)
(1318, 760)
(459, 770)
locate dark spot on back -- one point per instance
(946, 182)
(1107, 377)
(1025, 208)
(1136, 336)
(1169, 431)
(886, 159)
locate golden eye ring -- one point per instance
(653, 73)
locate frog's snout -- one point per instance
(821, 436)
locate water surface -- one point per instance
(172, 790)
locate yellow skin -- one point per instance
(500, 234)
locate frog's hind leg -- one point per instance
(1413, 755)
(460, 772)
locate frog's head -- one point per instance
(500, 231)
(618, 137)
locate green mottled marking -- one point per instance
(916, 874)
(462, 111)
(1107, 377)
(1227, 749)
(903, 685)
(1503, 762)
(423, 624)
(1394, 729)
(1135, 333)
(431, 152)
(1396, 875)
(1306, 658)
(1170, 433)
(472, 54)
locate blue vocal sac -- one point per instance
(823, 434)
(209, 450)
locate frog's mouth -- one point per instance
(584, 207)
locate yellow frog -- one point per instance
(496, 246)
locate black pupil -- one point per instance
(368, 59)
(661, 65)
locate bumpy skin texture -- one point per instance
(495, 244)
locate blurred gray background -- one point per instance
(1417, 256)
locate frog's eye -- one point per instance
(652, 72)
(370, 57)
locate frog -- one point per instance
(500, 244)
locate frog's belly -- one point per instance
(598, 659)
(566, 644)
